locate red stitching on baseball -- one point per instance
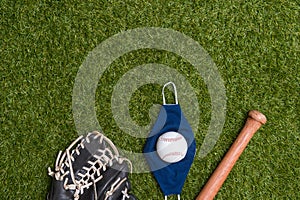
(171, 139)
(176, 153)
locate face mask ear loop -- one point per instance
(175, 92)
(178, 197)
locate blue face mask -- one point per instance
(170, 176)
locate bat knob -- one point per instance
(258, 116)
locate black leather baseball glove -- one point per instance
(90, 169)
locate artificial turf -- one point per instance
(254, 44)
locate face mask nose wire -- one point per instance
(175, 92)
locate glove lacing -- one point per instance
(93, 173)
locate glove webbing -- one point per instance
(93, 173)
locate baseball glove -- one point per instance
(90, 169)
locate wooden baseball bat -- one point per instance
(254, 121)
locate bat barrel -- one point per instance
(254, 121)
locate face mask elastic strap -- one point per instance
(178, 197)
(175, 92)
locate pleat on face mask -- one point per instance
(170, 147)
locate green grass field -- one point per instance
(254, 44)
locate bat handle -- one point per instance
(253, 123)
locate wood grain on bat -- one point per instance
(254, 121)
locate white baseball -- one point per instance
(171, 147)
